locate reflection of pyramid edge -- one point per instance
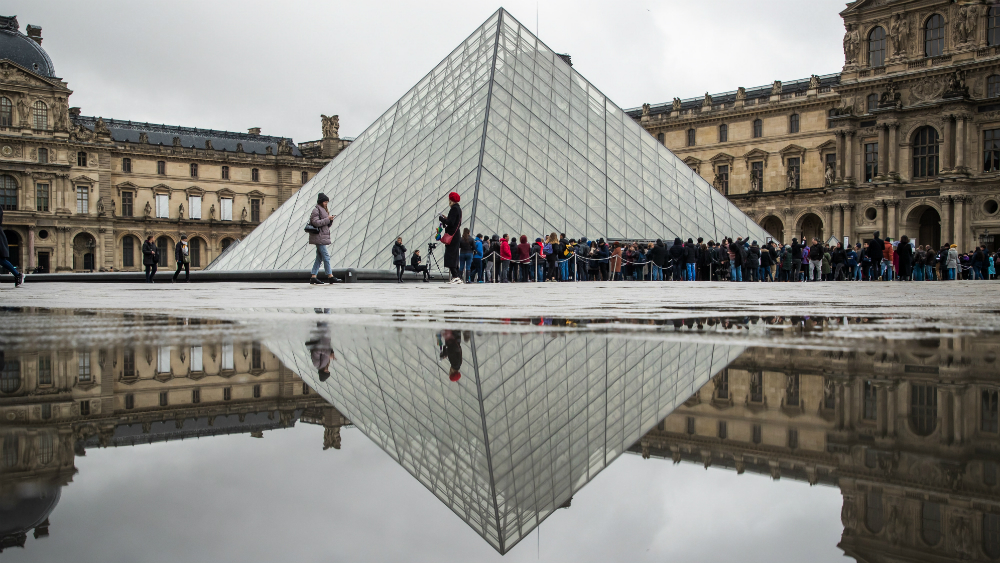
(534, 418)
(531, 146)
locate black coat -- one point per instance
(876, 247)
(658, 254)
(398, 255)
(677, 252)
(905, 253)
(690, 253)
(4, 248)
(737, 250)
(150, 254)
(452, 224)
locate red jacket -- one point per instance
(504, 250)
(887, 253)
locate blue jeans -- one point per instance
(539, 270)
(689, 274)
(564, 270)
(918, 273)
(8, 266)
(928, 273)
(977, 270)
(322, 257)
(477, 269)
(951, 273)
(735, 273)
(657, 273)
(465, 264)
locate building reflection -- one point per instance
(57, 403)
(908, 433)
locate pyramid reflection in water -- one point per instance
(532, 419)
(531, 146)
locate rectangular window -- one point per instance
(41, 197)
(990, 473)
(792, 390)
(46, 411)
(757, 434)
(227, 394)
(126, 165)
(162, 206)
(128, 363)
(194, 207)
(163, 359)
(305, 177)
(871, 161)
(81, 159)
(227, 356)
(722, 385)
(161, 167)
(255, 210)
(870, 401)
(127, 204)
(84, 408)
(196, 359)
(690, 425)
(225, 172)
(991, 150)
(831, 162)
(164, 399)
(723, 430)
(256, 391)
(83, 367)
(305, 389)
(793, 438)
(6, 112)
(757, 176)
(82, 199)
(255, 175)
(793, 123)
(129, 401)
(691, 138)
(128, 252)
(988, 422)
(194, 170)
(43, 156)
(196, 395)
(757, 387)
(45, 370)
(724, 179)
(226, 213)
(794, 170)
(255, 359)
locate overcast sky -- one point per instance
(279, 65)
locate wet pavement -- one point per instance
(357, 428)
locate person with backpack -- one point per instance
(553, 251)
(182, 254)
(399, 258)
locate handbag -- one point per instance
(311, 229)
(446, 239)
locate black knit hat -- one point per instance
(321, 198)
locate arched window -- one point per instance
(876, 47)
(225, 243)
(128, 251)
(305, 175)
(691, 137)
(41, 112)
(196, 246)
(165, 247)
(874, 518)
(934, 36)
(872, 102)
(991, 535)
(10, 376)
(930, 523)
(925, 152)
(723, 133)
(659, 137)
(793, 123)
(923, 409)
(6, 112)
(993, 86)
(993, 27)
(194, 170)
(758, 129)
(8, 193)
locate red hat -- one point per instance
(455, 376)
(454, 197)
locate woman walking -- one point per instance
(150, 258)
(399, 258)
(321, 219)
(450, 237)
(5, 256)
(905, 253)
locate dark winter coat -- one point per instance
(677, 252)
(753, 257)
(150, 254)
(796, 251)
(905, 253)
(816, 252)
(179, 252)
(876, 247)
(839, 256)
(658, 254)
(398, 255)
(320, 219)
(452, 224)
(690, 253)
(737, 250)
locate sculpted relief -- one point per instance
(965, 23)
(331, 126)
(852, 41)
(927, 90)
(899, 32)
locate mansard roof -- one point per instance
(757, 92)
(21, 49)
(190, 137)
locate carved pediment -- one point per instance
(83, 179)
(830, 145)
(194, 190)
(863, 5)
(722, 158)
(126, 186)
(161, 189)
(693, 163)
(755, 155)
(13, 73)
(792, 151)
(256, 193)
(226, 192)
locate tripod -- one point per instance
(432, 261)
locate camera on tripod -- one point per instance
(431, 246)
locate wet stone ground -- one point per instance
(554, 422)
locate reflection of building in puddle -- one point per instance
(503, 428)
(56, 404)
(909, 436)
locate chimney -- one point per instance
(35, 33)
(254, 131)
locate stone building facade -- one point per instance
(908, 435)
(903, 140)
(81, 193)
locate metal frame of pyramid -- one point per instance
(534, 418)
(530, 145)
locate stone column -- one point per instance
(891, 398)
(892, 206)
(960, 143)
(31, 248)
(944, 414)
(883, 150)
(849, 157)
(894, 149)
(945, 220)
(840, 156)
(849, 222)
(838, 219)
(949, 140)
(960, 222)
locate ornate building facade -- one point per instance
(82, 193)
(904, 140)
(908, 435)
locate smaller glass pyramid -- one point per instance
(530, 145)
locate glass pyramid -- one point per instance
(530, 145)
(534, 417)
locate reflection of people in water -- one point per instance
(450, 342)
(321, 351)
